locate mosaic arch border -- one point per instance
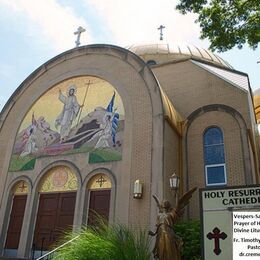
(85, 114)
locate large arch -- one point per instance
(144, 124)
(242, 135)
(105, 61)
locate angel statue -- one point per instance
(168, 244)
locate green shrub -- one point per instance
(115, 242)
(87, 246)
(189, 231)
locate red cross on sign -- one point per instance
(216, 235)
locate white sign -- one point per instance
(246, 235)
(223, 221)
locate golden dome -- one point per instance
(257, 104)
(160, 53)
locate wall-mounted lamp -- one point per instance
(138, 190)
(174, 181)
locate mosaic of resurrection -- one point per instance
(79, 115)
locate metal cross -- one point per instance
(78, 32)
(161, 31)
(22, 186)
(216, 235)
(101, 180)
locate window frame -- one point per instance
(218, 183)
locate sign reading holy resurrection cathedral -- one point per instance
(231, 222)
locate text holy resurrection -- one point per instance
(235, 197)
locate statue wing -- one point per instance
(159, 205)
(183, 201)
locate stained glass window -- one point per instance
(214, 157)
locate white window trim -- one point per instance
(215, 165)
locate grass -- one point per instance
(19, 163)
(104, 155)
(115, 242)
(83, 149)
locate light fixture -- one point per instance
(174, 181)
(138, 190)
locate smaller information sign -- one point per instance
(246, 235)
(231, 222)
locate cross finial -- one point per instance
(78, 32)
(161, 31)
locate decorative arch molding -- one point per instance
(216, 107)
(243, 135)
(99, 182)
(102, 170)
(18, 179)
(66, 163)
(86, 192)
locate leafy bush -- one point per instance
(189, 231)
(115, 242)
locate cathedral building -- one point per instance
(100, 128)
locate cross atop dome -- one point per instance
(161, 31)
(78, 33)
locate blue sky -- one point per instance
(33, 31)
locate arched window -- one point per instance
(214, 157)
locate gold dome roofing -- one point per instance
(160, 53)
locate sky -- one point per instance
(34, 31)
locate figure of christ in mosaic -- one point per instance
(69, 112)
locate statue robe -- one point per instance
(167, 244)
